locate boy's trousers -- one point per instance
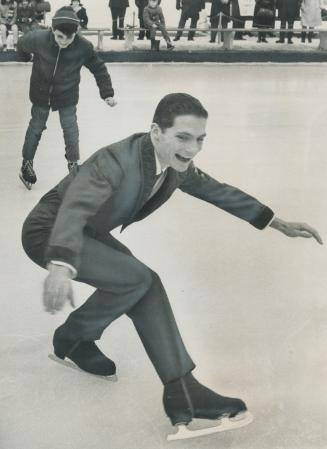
(162, 28)
(37, 124)
(124, 285)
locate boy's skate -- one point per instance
(27, 174)
(186, 399)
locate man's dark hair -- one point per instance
(173, 105)
(68, 29)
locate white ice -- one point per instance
(250, 304)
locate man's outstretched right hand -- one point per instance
(57, 288)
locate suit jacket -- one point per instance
(112, 189)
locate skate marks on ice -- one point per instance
(223, 424)
(69, 364)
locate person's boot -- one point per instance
(303, 34)
(153, 45)
(185, 399)
(85, 354)
(157, 45)
(213, 36)
(310, 35)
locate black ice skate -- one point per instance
(186, 399)
(85, 356)
(27, 174)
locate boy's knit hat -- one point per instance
(65, 14)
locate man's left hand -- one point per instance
(111, 101)
(292, 229)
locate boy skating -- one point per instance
(58, 57)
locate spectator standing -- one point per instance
(8, 17)
(41, 8)
(288, 10)
(310, 17)
(190, 9)
(141, 4)
(237, 21)
(80, 11)
(25, 16)
(219, 7)
(118, 12)
(264, 17)
(154, 20)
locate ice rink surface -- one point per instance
(251, 304)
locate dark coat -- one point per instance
(56, 72)
(82, 15)
(264, 21)
(25, 15)
(217, 7)
(190, 7)
(288, 9)
(112, 189)
(118, 4)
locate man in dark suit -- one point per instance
(288, 11)
(68, 232)
(118, 11)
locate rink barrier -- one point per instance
(228, 34)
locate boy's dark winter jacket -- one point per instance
(56, 71)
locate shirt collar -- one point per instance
(159, 168)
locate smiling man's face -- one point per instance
(176, 146)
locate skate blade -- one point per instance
(69, 364)
(241, 420)
(28, 185)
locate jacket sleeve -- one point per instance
(226, 197)
(26, 46)
(83, 198)
(98, 68)
(162, 18)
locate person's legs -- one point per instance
(290, 24)
(15, 35)
(3, 30)
(114, 15)
(214, 24)
(141, 32)
(126, 286)
(281, 39)
(164, 33)
(194, 22)
(181, 25)
(121, 18)
(37, 124)
(68, 121)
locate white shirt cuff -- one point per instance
(67, 265)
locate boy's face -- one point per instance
(178, 145)
(62, 40)
(75, 4)
(25, 3)
(153, 3)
